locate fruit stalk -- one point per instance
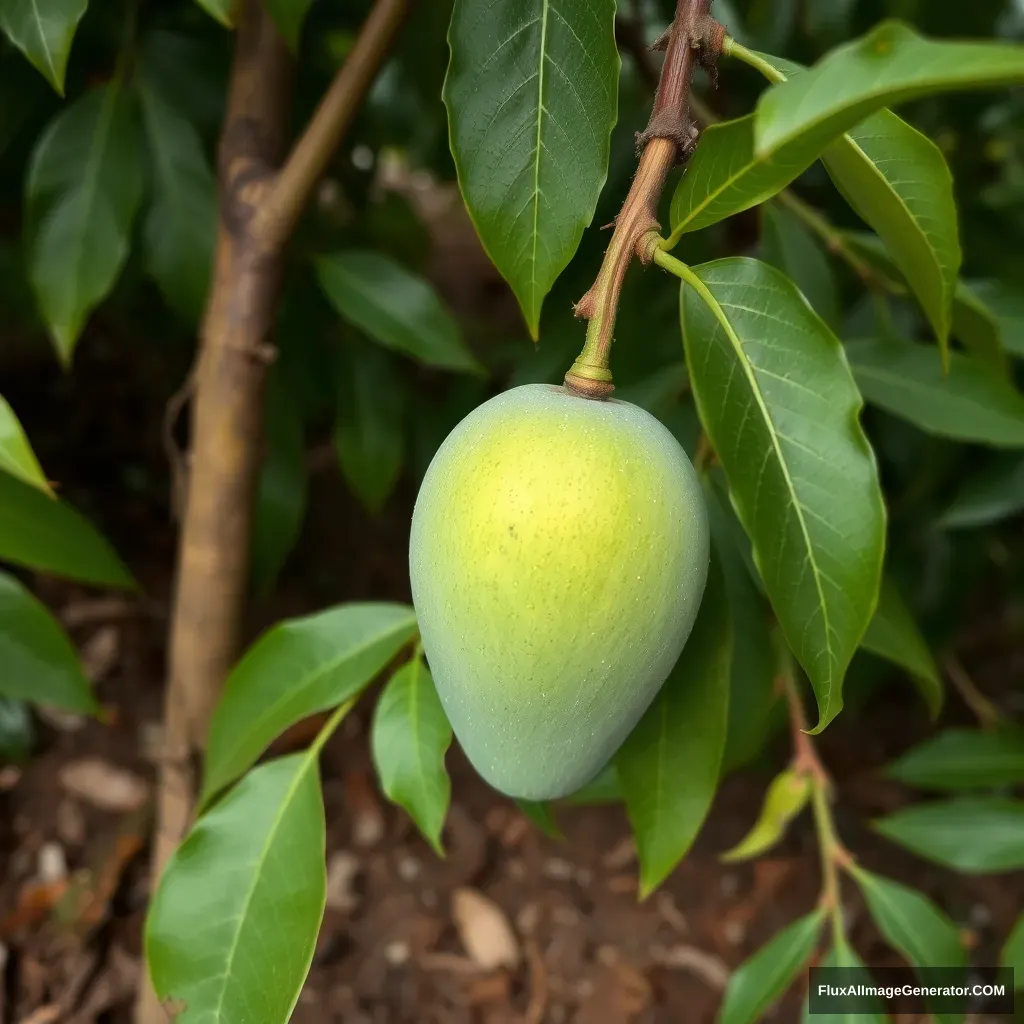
(667, 140)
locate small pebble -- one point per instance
(409, 869)
(558, 870)
(734, 932)
(51, 865)
(397, 953)
(528, 918)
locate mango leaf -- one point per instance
(789, 246)
(670, 764)
(43, 30)
(42, 533)
(779, 405)
(969, 403)
(532, 94)
(289, 15)
(995, 494)
(181, 222)
(1013, 952)
(83, 190)
(1006, 303)
(37, 661)
(963, 759)
(368, 434)
(787, 796)
(975, 835)
(219, 9)
(541, 814)
(843, 954)
(232, 928)
(410, 737)
(890, 65)
(17, 731)
(978, 329)
(762, 979)
(604, 788)
(296, 669)
(16, 455)
(395, 307)
(894, 635)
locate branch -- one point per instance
(277, 216)
(667, 140)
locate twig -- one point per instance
(989, 716)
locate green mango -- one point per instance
(558, 555)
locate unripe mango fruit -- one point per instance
(558, 556)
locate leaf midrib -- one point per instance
(545, 6)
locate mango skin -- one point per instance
(558, 556)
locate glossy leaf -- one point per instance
(181, 222)
(296, 669)
(670, 764)
(780, 407)
(83, 190)
(1013, 952)
(16, 455)
(395, 307)
(1006, 302)
(232, 928)
(541, 814)
(17, 731)
(219, 9)
(762, 979)
(890, 65)
(963, 759)
(532, 93)
(969, 403)
(787, 796)
(37, 661)
(978, 329)
(289, 15)
(604, 788)
(844, 955)
(368, 435)
(893, 635)
(43, 30)
(994, 495)
(975, 835)
(42, 533)
(409, 740)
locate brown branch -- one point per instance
(668, 139)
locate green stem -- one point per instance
(330, 725)
(733, 49)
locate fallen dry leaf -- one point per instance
(104, 785)
(484, 930)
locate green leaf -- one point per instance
(969, 403)
(181, 223)
(17, 731)
(1013, 952)
(779, 405)
(296, 669)
(282, 494)
(410, 737)
(844, 955)
(890, 65)
(787, 796)
(368, 434)
(669, 765)
(37, 661)
(233, 925)
(963, 759)
(83, 190)
(978, 329)
(762, 979)
(532, 93)
(219, 9)
(976, 835)
(604, 788)
(1006, 303)
(16, 455)
(542, 815)
(45, 534)
(289, 15)
(789, 246)
(893, 635)
(43, 31)
(395, 307)
(993, 495)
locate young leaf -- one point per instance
(844, 955)
(232, 928)
(43, 31)
(410, 737)
(1013, 952)
(532, 94)
(368, 434)
(45, 534)
(37, 661)
(297, 668)
(969, 403)
(16, 455)
(181, 222)
(787, 796)
(670, 764)
(763, 979)
(888, 66)
(395, 307)
(893, 634)
(83, 190)
(963, 759)
(289, 15)
(993, 495)
(542, 815)
(975, 835)
(780, 407)
(1006, 303)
